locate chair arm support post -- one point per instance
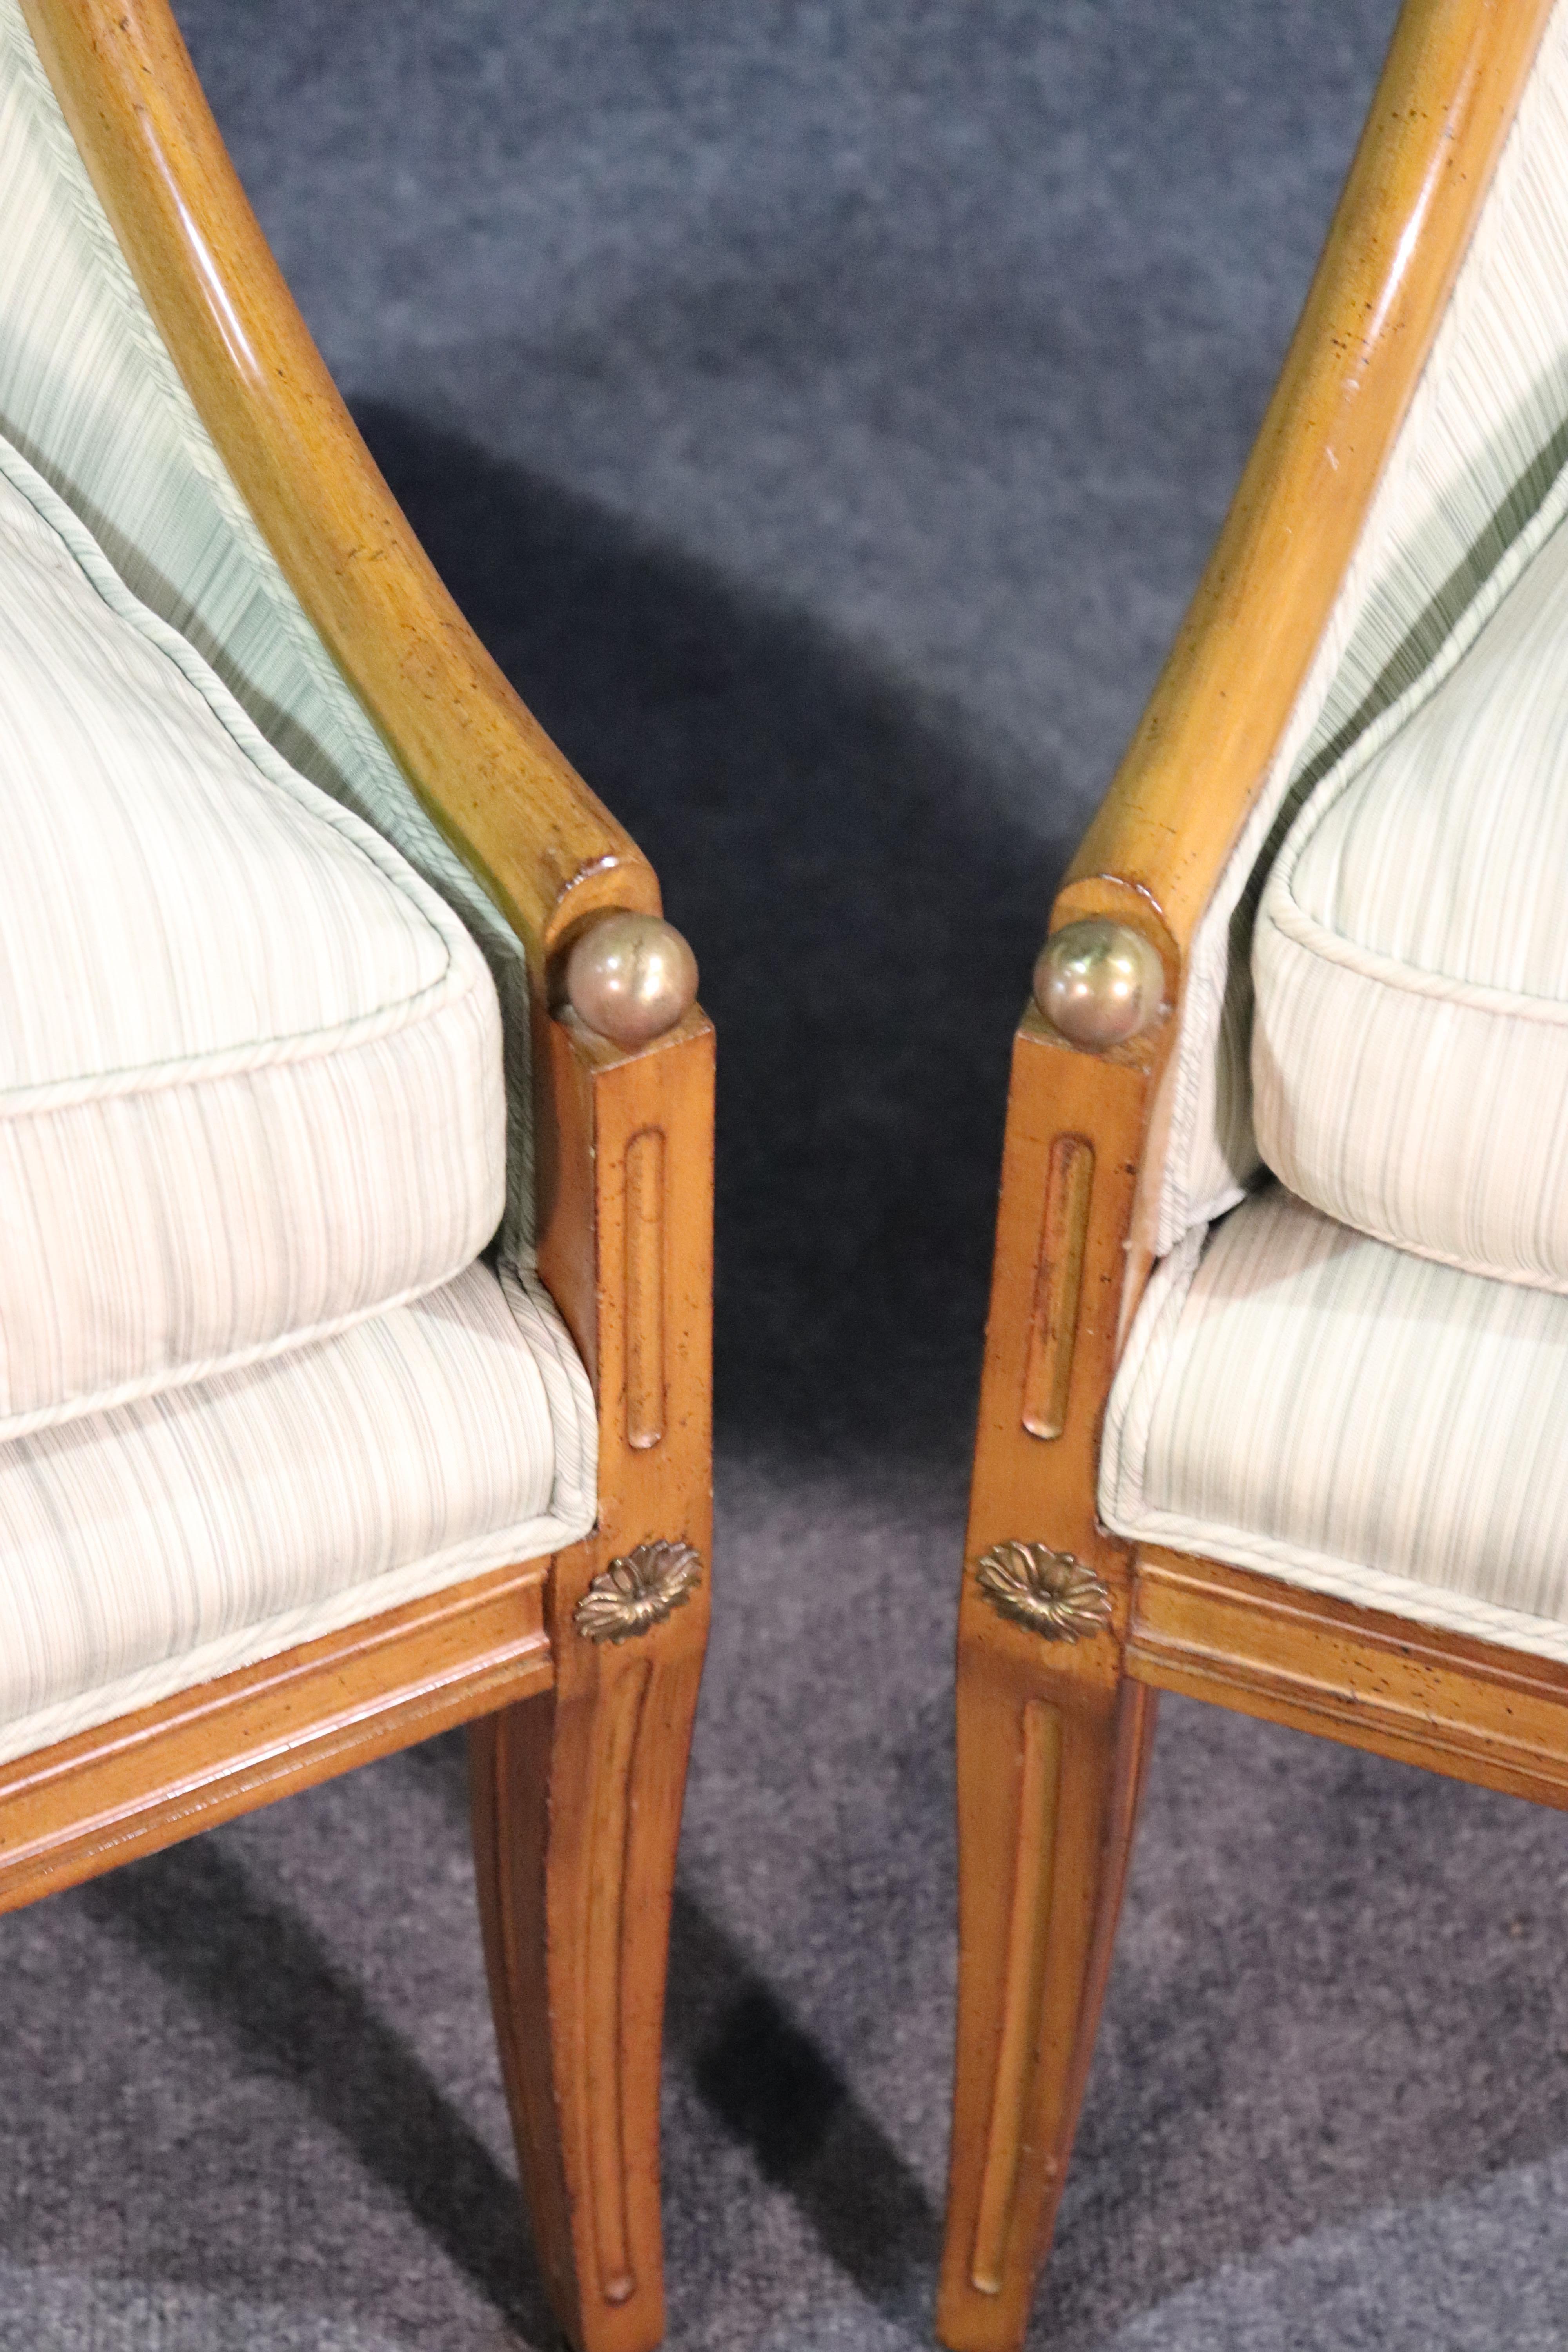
(577, 1797)
(1052, 1741)
(1054, 1712)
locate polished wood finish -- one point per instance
(145, 1781)
(645, 1287)
(1038, 1790)
(579, 1760)
(1050, 1765)
(511, 805)
(1040, 1866)
(1024, 1486)
(1059, 1286)
(1479, 1713)
(577, 1798)
(1042, 1854)
(1448, 94)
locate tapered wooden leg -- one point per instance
(1051, 1771)
(576, 1808)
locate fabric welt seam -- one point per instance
(45, 1096)
(1308, 932)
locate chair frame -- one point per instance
(1053, 1735)
(578, 1743)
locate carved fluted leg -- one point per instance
(1050, 1762)
(576, 1807)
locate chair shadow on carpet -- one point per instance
(772, 2088)
(865, 912)
(864, 909)
(260, 1971)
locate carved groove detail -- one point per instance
(1059, 1286)
(645, 1288)
(1028, 1922)
(638, 1592)
(605, 2010)
(1051, 1592)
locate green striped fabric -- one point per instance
(1300, 1399)
(215, 1502)
(250, 1066)
(1410, 964)
(1364, 1391)
(1485, 436)
(151, 1548)
(89, 396)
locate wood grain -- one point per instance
(577, 1798)
(609, 1833)
(645, 1287)
(1022, 1964)
(579, 1767)
(1059, 1286)
(147, 1780)
(1021, 1487)
(1471, 1709)
(1037, 1780)
(510, 804)
(1152, 859)
(1022, 1955)
(1443, 106)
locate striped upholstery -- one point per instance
(1410, 964)
(219, 1511)
(154, 1546)
(1360, 1385)
(250, 1064)
(1301, 1400)
(1485, 436)
(89, 396)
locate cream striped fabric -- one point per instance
(1485, 436)
(149, 1546)
(249, 1064)
(152, 1547)
(91, 397)
(1301, 1400)
(1410, 963)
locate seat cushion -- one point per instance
(251, 1068)
(1300, 1399)
(162, 1543)
(1410, 1047)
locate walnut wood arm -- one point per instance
(512, 808)
(1083, 1137)
(1053, 1733)
(1154, 853)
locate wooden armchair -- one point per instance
(1293, 1450)
(162, 400)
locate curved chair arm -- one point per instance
(517, 812)
(1052, 1734)
(1154, 853)
(1086, 1109)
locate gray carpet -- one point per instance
(823, 411)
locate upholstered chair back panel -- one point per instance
(90, 394)
(1485, 438)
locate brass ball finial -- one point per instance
(631, 977)
(1099, 983)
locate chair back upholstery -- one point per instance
(1485, 436)
(91, 396)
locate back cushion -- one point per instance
(250, 1082)
(1410, 1043)
(89, 396)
